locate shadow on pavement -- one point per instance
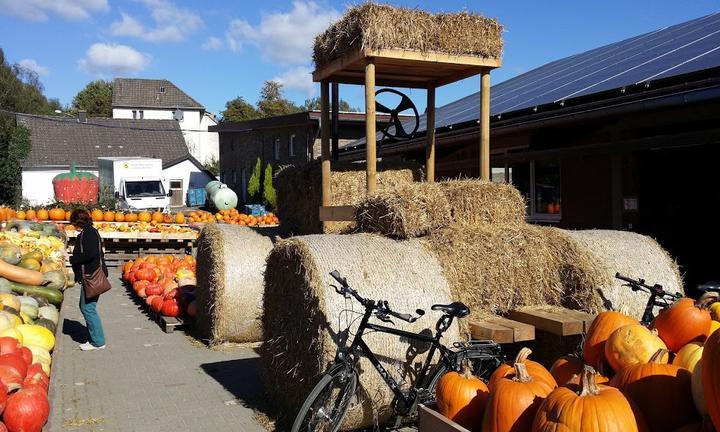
(75, 330)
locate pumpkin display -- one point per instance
(76, 187)
(586, 407)
(97, 215)
(710, 377)
(56, 214)
(461, 397)
(630, 345)
(662, 392)
(688, 356)
(604, 324)
(27, 410)
(683, 322)
(533, 368)
(514, 399)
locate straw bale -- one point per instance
(379, 26)
(304, 316)
(299, 191)
(476, 202)
(230, 267)
(633, 255)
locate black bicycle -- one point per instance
(658, 296)
(326, 406)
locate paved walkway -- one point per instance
(146, 380)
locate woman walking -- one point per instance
(85, 260)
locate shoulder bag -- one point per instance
(96, 283)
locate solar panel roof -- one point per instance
(679, 49)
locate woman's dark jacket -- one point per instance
(89, 237)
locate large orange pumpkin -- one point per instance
(20, 215)
(30, 214)
(685, 321)
(56, 214)
(97, 215)
(109, 216)
(600, 330)
(513, 401)
(710, 377)
(158, 217)
(42, 214)
(568, 369)
(586, 407)
(630, 345)
(144, 216)
(662, 392)
(535, 369)
(119, 216)
(131, 217)
(461, 397)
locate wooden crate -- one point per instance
(432, 421)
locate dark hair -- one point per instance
(80, 218)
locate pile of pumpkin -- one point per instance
(630, 378)
(150, 227)
(166, 283)
(143, 216)
(42, 214)
(234, 217)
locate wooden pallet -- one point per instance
(522, 324)
(169, 324)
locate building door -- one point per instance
(177, 199)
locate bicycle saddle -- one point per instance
(456, 309)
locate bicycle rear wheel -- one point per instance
(326, 406)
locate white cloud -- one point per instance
(212, 44)
(285, 37)
(32, 64)
(113, 58)
(298, 78)
(40, 10)
(171, 24)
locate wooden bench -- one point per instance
(521, 324)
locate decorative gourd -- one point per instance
(21, 275)
(36, 335)
(632, 344)
(29, 306)
(131, 217)
(56, 214)
(711, 377)
(683, 322)
(109, 216)
(688, 356)
(513, 401)
(585, 407)
(461, 397)
(662, 392)
(600, 330)
(534, 369)
(10, 254)
(97, 215)
(27, 410)
(144, 216)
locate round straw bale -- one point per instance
(230, 267)
(476, 202)
(410, 210)
(633, 255)
(304, 318)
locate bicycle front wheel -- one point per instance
(326, 406)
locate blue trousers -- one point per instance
(88, 307)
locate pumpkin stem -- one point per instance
(707, 299)
(658, 356)
(13, 386)
(521, 373)
(588, 385)
(523, 355)
(465, 369)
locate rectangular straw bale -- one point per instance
(379, 26)
(477, 202)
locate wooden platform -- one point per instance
(170, 324)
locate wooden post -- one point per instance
(485, 124)
(430, 146)
(335, 120)
(370, 133)
(325, 141)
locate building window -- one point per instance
(277, 148)
(134, 115)
(142, 115)
(162, 89)
(291, 146)
(540, 184)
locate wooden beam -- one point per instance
(337, 213)
(434, 57)
(325, 142)
(335, 106)
(485, 125)
(521, 331)
(554, 322)
(430, 146)
(370, 132)
(501, 330)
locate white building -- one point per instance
(148, 99)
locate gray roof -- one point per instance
(147, 93)
(58, 141)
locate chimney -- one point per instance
(82, 116)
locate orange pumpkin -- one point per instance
(109, 216)
(56, 214)
(144, 216)
(180, 218)
(20, 215)
(119, 216)
(158, 217)
(30, 214)
(685, 321)
(68, 213)
(568, 369)
(168, 218)
(97, 215)
(662, 392)
(586, 407)
(513, 401)
(131, 217)
(600, 330)
(630, 345)
(535, 369)
(461, 397)
(710, 377)
(42, 214)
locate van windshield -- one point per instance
(144, 188)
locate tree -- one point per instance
(238, 110)
(272, 102)
(95, 98)
(314, 105)
(21, 89)
(14, 148)
(269, 196)
(254, 183)
(213, 165)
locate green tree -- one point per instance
(95, 98)
(21, 89)
(269, 195)
(238, 110)
(273, 103)
(313, 104)
(254, 183)
(14, 148)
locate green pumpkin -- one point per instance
(10, 254)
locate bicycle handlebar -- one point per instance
(656, 289)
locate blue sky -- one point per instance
(218, 50)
